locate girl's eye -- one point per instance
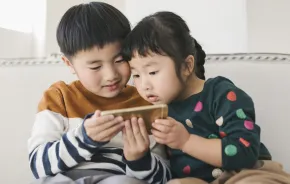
(153, 73)
(136, 76)
(96, 68)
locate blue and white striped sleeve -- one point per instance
(52, 149)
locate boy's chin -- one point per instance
(111, 94)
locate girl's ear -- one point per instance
(188, 66)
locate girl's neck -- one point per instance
(193, 85)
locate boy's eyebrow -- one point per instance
(98, 60)
(93, 62)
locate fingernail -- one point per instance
(111, 117)
(120, 118)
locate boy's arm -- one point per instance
(151, 168)
(52, 149)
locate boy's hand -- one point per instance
(103, 128)
(136, 139)
(170, 132)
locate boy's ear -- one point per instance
(188, 65)
(68, 63)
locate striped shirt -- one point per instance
(59, 142)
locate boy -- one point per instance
(65, 146)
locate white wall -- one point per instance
(39, 28)
(22, 30)
(268, 25)
(220, 26)
(15, 44)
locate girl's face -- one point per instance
(155, 78)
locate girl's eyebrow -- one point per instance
(148, 64)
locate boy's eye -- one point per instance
(120, 61)
(96, 68)
(153, 73)
(135, 76)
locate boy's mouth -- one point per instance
(112, 87)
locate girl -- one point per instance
(211, 133)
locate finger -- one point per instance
(106, 119)
(124, 135)
(136, 131)
(158, 134)
(129, 133)
(115, 122)
(165, 122)
(143, 130)
(161, 127)
(98, 120)
(135, 126)
(111, 132)
(109, 137)
(124, 131)
(97, 114)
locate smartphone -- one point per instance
(149, 113)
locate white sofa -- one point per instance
(263, 76)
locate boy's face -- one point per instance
(155, 78)
(102, 71)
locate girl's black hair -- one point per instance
(165, 33)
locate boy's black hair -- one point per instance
(165, 33)
(92, 24)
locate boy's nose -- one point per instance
(111, 74)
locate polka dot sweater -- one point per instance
(220, 111)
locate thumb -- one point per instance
(97, 114)
(169, 118)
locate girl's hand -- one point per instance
(170, 132)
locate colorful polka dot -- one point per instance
(231, 150)
(240, 113)
(223, 134)
(244, 142)
(198, 107)
(220, 121)
(213, 136)
(188, 123)
(249, 125)
(186, 170)
(231, 96)
(217, 173)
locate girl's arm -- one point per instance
(238, 142)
